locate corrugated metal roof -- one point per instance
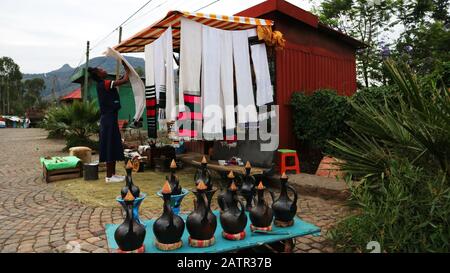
(138, 41)
(74, 95)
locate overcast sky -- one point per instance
(43, 35)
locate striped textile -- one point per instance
(150, 100)
(137, 42)
(190, 121)
(253, 228)
(201, 243)
(139, 250)
(234, 237)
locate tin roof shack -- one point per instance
(126, 96)
(72, 96)
(315, 57)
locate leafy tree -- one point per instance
(365, 20)
(33, 89)
(10, 77)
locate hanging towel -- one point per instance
(137, 85)
(168, 102)
(160, 68)
(150, 91)
(244, 87)
(212, 108)
(227, 83)
(190, 59)
(264, 88)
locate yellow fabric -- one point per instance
(272, 38)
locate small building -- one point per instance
(315, 57)
(126, 96)
(72, 96)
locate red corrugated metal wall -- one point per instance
(306, 69)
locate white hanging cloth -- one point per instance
(264, 88)
(190, 60)
(136, 84)
(211, 78)
(171, 113)
(245, 99)
(227, 81)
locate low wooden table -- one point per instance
(252, 240)
(194, 159)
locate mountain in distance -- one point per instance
(60, 79)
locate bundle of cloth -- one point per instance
(137, 86)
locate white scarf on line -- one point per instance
(211, 78)
(190, 59)
(264, 88)
(137, 85)
(245, 99)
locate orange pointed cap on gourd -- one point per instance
(260, 186)
(230, 175)
(248, 165)
(129, 165)
(173, 164)
(233, 186)
(166, 188)
(204, 161)
(284, 176)
(201, 186)
(129, 197)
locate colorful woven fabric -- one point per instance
(279, 223)
(201, 243)
(253, 228)
(234, 237)
(168, 247)
(150, 97)
(139, 250)
(190, 122)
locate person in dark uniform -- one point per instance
(111, 149)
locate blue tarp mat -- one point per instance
(300, 228)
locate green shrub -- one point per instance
(77, 122)
(400, 149)
(319, 117)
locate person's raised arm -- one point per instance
(123, 79)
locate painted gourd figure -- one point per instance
(284, 209)
(129, 186)
(173, 179)
(204, 175)
(261, 215)
(169, 227)
(130, 234)
(201, 223)
(248, 186)
(232, 217)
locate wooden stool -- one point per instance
(284, 155)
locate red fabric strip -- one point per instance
(193, 116)
(150, 103)
(192, 99)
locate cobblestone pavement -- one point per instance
(35, 217)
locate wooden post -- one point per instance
(118, 63)
(86, 75)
